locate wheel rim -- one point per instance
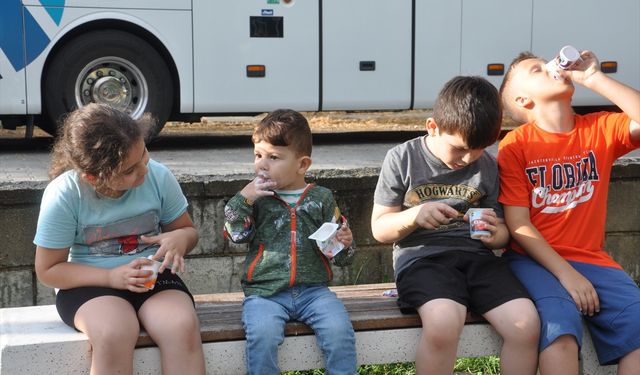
(113, 81)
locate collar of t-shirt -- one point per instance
(430, 155)
(290, 196)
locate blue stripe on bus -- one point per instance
(11, 41)
(54, 8)
(10, 32)
(37, 40)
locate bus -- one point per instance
(182, 59)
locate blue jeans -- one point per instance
(264, 319)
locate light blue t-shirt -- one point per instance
(105, 232)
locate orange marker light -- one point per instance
(256, 71)
(609, 66)
(495, 69)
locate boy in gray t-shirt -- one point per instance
(425, 187)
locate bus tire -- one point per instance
(107, 66)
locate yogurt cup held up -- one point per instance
(567, 58)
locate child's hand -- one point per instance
(489, 223)
(172, 248)
(584, 69)
(130, 276)
(257, 188)
(431, 215)
(344, 235)
(582, 292)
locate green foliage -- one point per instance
(478, 366)
(471, 366)
(388, 369)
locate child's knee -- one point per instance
(564, 343)
(264, 334)
(527, 327)
(184, 318)
(122, 336)
(558, 316)
(338, 326)
(442, 336)
(184, 328)
(339, 332)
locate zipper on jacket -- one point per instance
(294, 253)
(255, 261)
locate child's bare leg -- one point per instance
(442, 323)
(172, 323)
(113, 329)
(561, 357)
(630, 363)
(518, 323)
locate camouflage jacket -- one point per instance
(280, 254)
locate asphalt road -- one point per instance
(219, 147)
(225, 158)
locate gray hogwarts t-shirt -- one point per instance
(412, 175)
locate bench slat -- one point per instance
(221, 314)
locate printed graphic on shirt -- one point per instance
(122, 237)
(429, 192)
(561, 183)
(458, 196)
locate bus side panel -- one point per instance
(12, 59)
(118, 4)
(366, 32)
(172, 27)
(12, 89)
(285, 41)
(608, 28)
(437, 50)
(494, 32)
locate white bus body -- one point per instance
(181, 58)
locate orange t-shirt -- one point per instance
(563, 178)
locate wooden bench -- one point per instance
(34, 340)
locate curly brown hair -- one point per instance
(95, 140)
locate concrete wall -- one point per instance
(215, 264)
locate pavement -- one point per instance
(21, 167)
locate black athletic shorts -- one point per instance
(480, 282)
(68, 301)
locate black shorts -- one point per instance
(68, 301)
(479, 282)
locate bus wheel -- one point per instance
(111, 67)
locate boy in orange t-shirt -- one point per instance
(554, 180)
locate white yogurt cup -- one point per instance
(476, 223)
(326, 239)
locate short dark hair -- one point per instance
(471, 108)
(285, 127)
(505, 87)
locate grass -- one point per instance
(478, 366)
(472, 366)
